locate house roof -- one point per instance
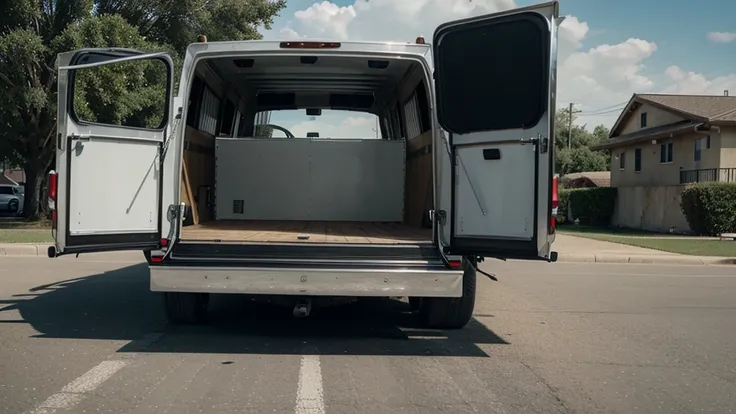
(642, 135)
(13, 177)
(599, 178)
(715, 109)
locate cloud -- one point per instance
(721, 37)
(356, 126)
(603, 76)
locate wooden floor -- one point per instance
(306, 231)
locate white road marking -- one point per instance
(309, 394)
(75, 391)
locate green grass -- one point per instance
(22, 231)
(672, 243)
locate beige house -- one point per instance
(662, 142)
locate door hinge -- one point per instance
(175, 211)
(439, 216)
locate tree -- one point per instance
(578, 157)
(178, 23)
(33, 32)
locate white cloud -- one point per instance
(721, 37)
(598, 77)
(357, 126)
(685, 82)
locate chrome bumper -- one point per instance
(308, 282)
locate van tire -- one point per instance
(186, 308)
(452, 313)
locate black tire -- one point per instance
(451, 313)
(186, 308)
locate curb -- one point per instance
(22, 249)
(644, 259)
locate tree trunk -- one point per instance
(35, 174)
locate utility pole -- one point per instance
(571, 112)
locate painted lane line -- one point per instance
(310, 395)
(75, 391)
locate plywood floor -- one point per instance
(306, 231)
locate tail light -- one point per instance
(53, 192)
(456, 264)
(555, 205)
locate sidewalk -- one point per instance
(570, 249)
(583, 250)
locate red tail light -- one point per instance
(52, 193)
(53, 188)
(456, 264)
(555, 205)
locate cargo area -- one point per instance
(253, 172)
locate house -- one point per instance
(662, 142)
(590, 179)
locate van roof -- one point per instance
(276, 45)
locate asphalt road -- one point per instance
(86, 336)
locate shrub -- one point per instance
(710, 208)
(564, 195)
(593, 205)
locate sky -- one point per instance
(608, 49)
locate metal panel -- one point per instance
(308, 282)
(310, 179)
(114, 186)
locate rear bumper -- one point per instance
(308, 282)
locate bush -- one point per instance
(564, 195)
(710, 208)
(593, 206)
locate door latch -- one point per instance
(525, 141)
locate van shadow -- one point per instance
(118, 305)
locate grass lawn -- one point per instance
(666, 242)
(21, 231)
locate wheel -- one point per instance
(186, 308)
(451, 313)
(14, 207)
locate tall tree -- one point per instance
(572, 145)
(32, 32)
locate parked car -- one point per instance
(11, 199)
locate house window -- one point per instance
(700, 145)
(637, 159)
(643, 119)
(622, 160)
(665, 152)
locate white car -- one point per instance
(11, 199)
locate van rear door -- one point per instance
(495, 81)
(114, 107)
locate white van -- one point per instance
(463, 168)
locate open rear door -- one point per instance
(114, 108)
(495, 90)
